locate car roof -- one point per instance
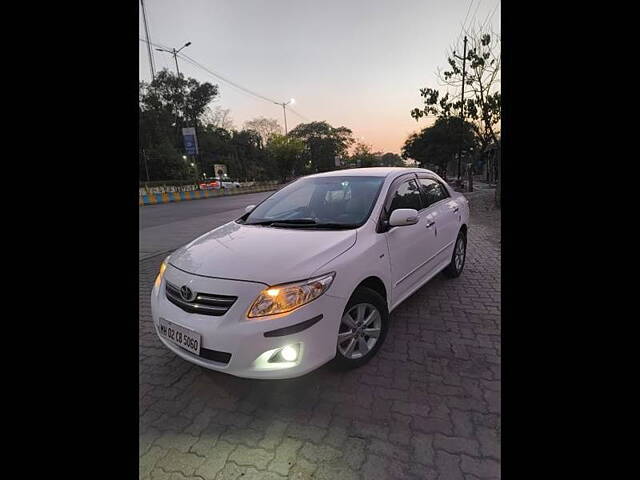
(371, 172)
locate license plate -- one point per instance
(183, 337)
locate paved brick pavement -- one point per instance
(426, 407)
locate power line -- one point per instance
(301, 116)
(491, 16)
(465, 20)
(473, 19)
(226, 80)
(229, 82)
(468, 10)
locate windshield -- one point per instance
(342, 201)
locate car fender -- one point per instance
(368, 257)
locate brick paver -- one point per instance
(426, 407)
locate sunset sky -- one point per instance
(354, 63)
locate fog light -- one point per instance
(285, 355)
(289, 353)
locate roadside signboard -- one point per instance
(220, 171)
(190, 140)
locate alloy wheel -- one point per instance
(360, 329)
(459, 254)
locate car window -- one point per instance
(298, 199)
(342, 200)
(407, 195)
(432, 191)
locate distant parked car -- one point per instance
(210, 184)
(226, 182)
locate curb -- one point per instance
(169, 197)
(155, 254)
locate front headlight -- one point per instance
(284, 298)
(163, 267)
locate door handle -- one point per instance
(430, 224)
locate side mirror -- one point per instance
(248, 208)
(403, 216)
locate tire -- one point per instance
(454, 269)
(366, 300)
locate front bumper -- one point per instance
(244, 339)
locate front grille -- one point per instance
(204, 303)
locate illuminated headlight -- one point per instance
(163, 267)
(285, 298)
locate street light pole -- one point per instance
(464, 71)
(174, 52)
(175, 58)
(284, 110)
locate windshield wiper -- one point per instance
(304, 223)
(316, 225)
(290, 221)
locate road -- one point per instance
(166, 226)
(426, 407)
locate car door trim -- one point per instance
(423, 263)
(444, 188)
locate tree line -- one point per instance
(477, 133)
(258, 151)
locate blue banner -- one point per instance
(190, 141)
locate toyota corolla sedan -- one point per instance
(310, 275)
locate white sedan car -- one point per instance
(311, 274)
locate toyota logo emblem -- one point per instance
(186, 294)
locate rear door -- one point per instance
(444, 210)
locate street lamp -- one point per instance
(184, 157)
(175, 52)
(284, 109)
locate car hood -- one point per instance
(269, 255)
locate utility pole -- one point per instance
(146, 32)
(284, 110)
(175, 52)
(464, 72)
(146, 167)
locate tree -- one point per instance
(435, 146)
(483, 100)
(184, 98)
(391, 160)
(166, 104)
(266, 127)
(218, 117)
(363, 157)
(285, 155)
(249, 155)
(323, 143)
(482, 88)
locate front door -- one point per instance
(410, 246)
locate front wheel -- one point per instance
(454, 269)
(362, 330)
